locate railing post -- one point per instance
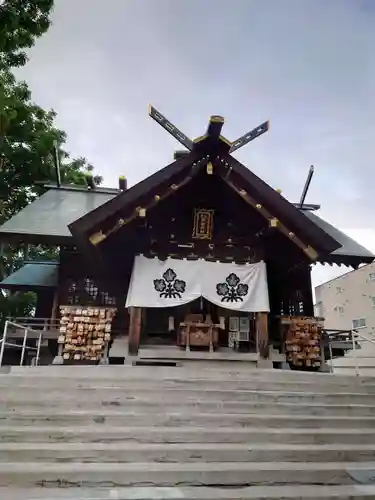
(3, 340)
(23, 347)
(330, 355)
(38, 350)
(355, 354)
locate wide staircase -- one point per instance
(196, 432)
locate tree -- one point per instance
(21, 23)
(27, 136)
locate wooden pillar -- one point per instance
(134, 330)
(262, 334)
(55, 308)
(308, 305)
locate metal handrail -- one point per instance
(353, 337)
(364, 338)
(36, 323)
(24, 347)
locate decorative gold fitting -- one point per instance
(156, 197)
(216, 119)
(209, 168)
(121, 222)
(141, 212)
(311, 252)
(274, 222)
(97, 238)
(278, 190)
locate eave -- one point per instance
(131, 198)
(279, 207)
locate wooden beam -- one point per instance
(134, 330)
(100, 236)
(308, 250)
(214, 127)
(262, 334)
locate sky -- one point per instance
(306, 65)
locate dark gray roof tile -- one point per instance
(50, 215)
(33, 275)
(349, 248)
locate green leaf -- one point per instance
(27, 135)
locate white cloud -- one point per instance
(307, 66)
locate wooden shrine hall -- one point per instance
(201, 255)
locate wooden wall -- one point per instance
(239, 234)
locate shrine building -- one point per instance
(200, 257)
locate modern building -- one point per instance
(348, 301)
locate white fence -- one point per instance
(359, 360)
(4, 343)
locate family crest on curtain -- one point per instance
(174, 282)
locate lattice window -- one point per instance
(90, 288)
(107, 300)
(72, 293)
(85, 292)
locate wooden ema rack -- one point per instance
(303, 340)
(85, 332)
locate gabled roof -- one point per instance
(47, 218)
(161, 178)
(280, 208)
(33, 276)
(283, 209)
(348, 248)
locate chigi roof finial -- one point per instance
(215, 125)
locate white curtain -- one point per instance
(234, 286)
(173, 282)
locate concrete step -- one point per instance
(223, 431)
(161, 396)
(236, 371)
(109, 434)
(220, 356)
(122, 452)
(184, 474)
(65, 417)
(146, 406)
(58, 383)
(310, 492)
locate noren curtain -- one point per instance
(174, 282)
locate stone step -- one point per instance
(183, 474)
(310, 492)
(108, 434)
(122, 452)
(161, 396)
(58, 383)
(146, 406)
(65, 417)
(122, 372)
